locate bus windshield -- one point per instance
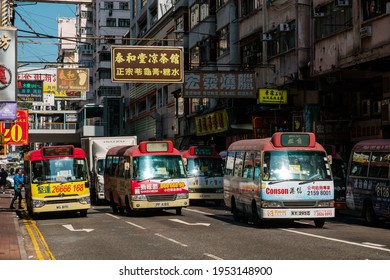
(295, 165)
(158, 167)
(204, 167)
(58, 170)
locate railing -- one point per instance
(51, 125)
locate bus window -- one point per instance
(359, 164)
(230, 163)
(238, 164)
(379, 165)
(248, 166)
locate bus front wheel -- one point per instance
(319, 223)
(235, 212)
(370, 215)
(255, 215)
(83, 213)
(178, 211)
(112, 205)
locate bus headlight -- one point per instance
(326, 204)
(85, 200)
(182, 196)
(271, 204)
(38, 203)
(139, 197)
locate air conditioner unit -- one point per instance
(318, 12)
(284, 27)
(366, 31)
(267, 37)
(342, 3)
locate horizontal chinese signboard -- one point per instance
(219, 85)
(30, 91)
(212, 123)
(147, 64)
(73, 79)
(272, 96)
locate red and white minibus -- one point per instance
(204, 168)
(287, 176)
(150, 175)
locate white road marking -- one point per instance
(337, 240)
(170, 239)
(190, 224)
(212, 256)
(138, 226)
(373, 244)
(113, 216)
(70, 227)
(197, 211)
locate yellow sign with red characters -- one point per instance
(16, 133)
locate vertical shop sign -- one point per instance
(8, 64)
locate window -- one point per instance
(238, 164)
(194, 15)
(282, 40)
(229, 163)
(86, 31)
(335, 19)
(204, 11)
(109, 91)
(111, 22)
(379, 165)
(359, 164)
(108, 5)
(252, 53)
(223, 44)
(105, 56)
(162, 96)
(375, 8)
(123, 22)
(248, 166)
(105, 73)
(123, 5)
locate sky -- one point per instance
(42, 18)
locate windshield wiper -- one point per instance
(279, 181)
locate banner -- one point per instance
(16, 133)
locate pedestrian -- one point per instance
(18, 185)
(3, 179)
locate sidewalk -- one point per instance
(11, 240)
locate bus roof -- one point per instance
(141, 149)
(279, 141)
(39, 154)
(201, 151)
(373, 144)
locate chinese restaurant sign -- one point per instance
(272, 96)
(219, 85)
(30, 91)
(212, 123)
(17, 133)
(72, 79)
(147, 64)
(8, 64)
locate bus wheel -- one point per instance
(369, 214)
(235, 212)
(83, 213)
(319, 223)
(112, 205)
(178, 211)
(255, 215)
(127, 205)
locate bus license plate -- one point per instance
(162, 204)
(62, 206)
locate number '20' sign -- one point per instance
(16, 133)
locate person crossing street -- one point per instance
(18, 185)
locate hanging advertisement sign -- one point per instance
(8, 111)
(212, 123)
(8, 64)
(272, 96)
(16, 133)
(30, 91)
(72, 79)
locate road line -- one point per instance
(170, 239)
(212, 256)
(33, 230)
(113, 216)
(197, 211)
(373, 244)
(337, 240)
(138, 226)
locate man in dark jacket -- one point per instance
(3, 179)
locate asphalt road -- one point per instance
(206, 232)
